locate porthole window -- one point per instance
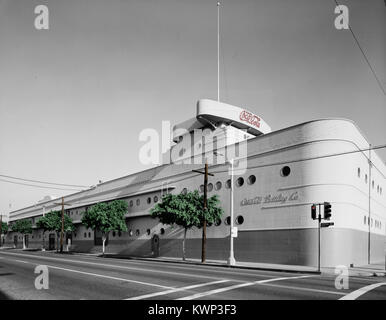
(162, 230)
(202, 188)
(359, 172)
(155, 199)
(119, 233)
(85, 235)
(218, 186)
(240, 182)
(285, 171)
(228, 184)
(227, 221)
(148, 200)
(184, 191)
(210, 187)
(148, 232)
(131, 203)
(251, 179)
(218, 222)
(240, 220)
(182, 152)
(137, 232)
(138, 202)
(113, 233)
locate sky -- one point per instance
(74, 98)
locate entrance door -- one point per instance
(15, 241)
(155, 246)
(51, 241)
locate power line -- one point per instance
(364, 55)
(220, 171)
(36, 186)
(43, 182)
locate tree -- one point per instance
(24, 227)
(52, 221)
(186, 210)
(4, 227)
(106, 217)
(4, 230)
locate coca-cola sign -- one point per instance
(250, 118)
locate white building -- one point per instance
(287, 171)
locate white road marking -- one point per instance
(237, 286)
(302, 289)
(357, 293)
(176, 290)
(100, 275)
(127, 268)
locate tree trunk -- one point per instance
(103, 243)
(23, 241)
(184, 246)
(43, 248)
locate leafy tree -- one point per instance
(4, 227)
(4, 230)
(24, 227)
(52, 221)
(106, 217)
(186, 210)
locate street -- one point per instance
(83, 277)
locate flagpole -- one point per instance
(218, 51)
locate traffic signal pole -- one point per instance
(326, 216)
(319, 221)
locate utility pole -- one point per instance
(206, 174)
(62, 229)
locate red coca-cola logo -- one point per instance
(250, 118)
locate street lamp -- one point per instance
(231, 259)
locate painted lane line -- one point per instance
(222, 271)
(99, 275)
(302, 289)
(237, 286)
(121, 267)
(150, 295)
(357, 293)
(113, 278)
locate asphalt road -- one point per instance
(78, 277)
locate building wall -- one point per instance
(275, 209)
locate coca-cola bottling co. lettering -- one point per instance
(250, 118)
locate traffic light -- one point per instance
(313, 212)
(327, 211)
